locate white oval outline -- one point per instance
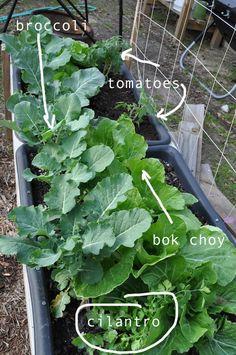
(164, 293)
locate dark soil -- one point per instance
(39, 188)
(104, 105)
(64, 328)
(173, 180)
(171, 177)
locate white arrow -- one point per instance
(164, 116)
(46, 114)
(123, 352)
(126, 54)
(146, 177)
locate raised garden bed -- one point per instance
(113, 219)
(104, 105)
(46, 329)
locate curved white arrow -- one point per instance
(126, 54)
(46, 114)
(164, 116)
(141, 351)
(146, 177)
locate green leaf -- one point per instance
(70, 223)
(62, 194)
(31, 221)
(28, 62)
(153, 167)
(28, 251)
(129, 226)
(55, 45)
(60, 60)
(161, 241)
(44, 257)
(80, 51)
(175, 342)
(223, 258)
(68, 107)
(9, 124)
(46, 28)
(171, 197)
(192, 223)
(225, 298)
(223, 342)
(95, 339)
(113, 277)
(80, 173)
(127, 143)
(85, 83)
(110, 336)
(91, 272)
(19, 96)
(28, 117)
(106, 195)
(29, 176)
(171, 236)
(49, 158)
(96, 237)
(189, 199)
(103, 133)
(193, 328)
(133, 200)
(171, 269)
(21, 247)
(58, 305)
(98, 158)
(83, 121)
(74, 145)
(11, 42)
(62, 277)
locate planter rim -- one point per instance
(39, 320)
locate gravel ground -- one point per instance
(13, 324)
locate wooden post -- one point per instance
(6, 87)
(216, 39)
(146, 4)
(134, 33)
(190, 136)
(183, 19)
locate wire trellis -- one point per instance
(153, 39)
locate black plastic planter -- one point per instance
(164, 137)
(41, 339)
(203, 208)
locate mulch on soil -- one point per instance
(13, 319)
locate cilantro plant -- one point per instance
(94, 229)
